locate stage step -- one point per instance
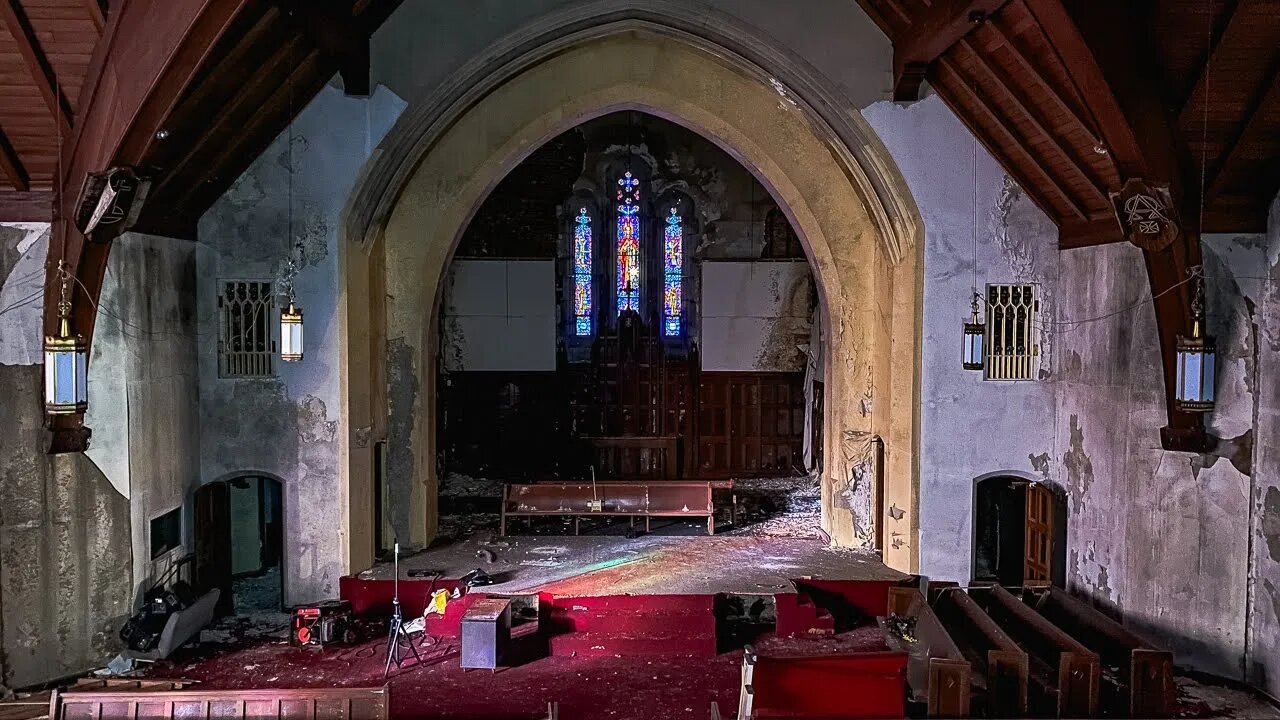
(631, 625)
(610, 644)
(799, 615)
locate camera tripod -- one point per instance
(397, 632)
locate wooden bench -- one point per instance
(613, 498)
(938, 675)
(1065, 672)
(1143, 675)
(1000, 667)
(278, 704)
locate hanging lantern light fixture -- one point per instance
(973, 351)
(66, 362)
(1197, 358)
(975, 334)
(291, 333)
(291, 317)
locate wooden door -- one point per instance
(213, 542)
(1039, 533)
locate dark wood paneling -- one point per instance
(750, 424)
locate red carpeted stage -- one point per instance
(610, 628)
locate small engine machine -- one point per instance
(323, 623)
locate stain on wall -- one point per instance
(64, 530)
(285, 425)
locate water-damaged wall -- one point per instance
(286, 425)
(143, 389)
(969, 427)
(64, 530)
(1262, 661)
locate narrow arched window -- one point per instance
(672, 275)
(628, 244)
(583, 298)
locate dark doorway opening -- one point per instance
(1019, 532)
(240, 543)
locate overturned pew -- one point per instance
(1142, 675)
(999, 666)
(938, 675)
(1065, 673)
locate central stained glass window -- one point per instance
(628, 243)
(583, 302)
(672, 274)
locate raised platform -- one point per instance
(609, 565)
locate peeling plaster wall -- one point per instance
(968, 427)
(64, 530)
(499, 315)
(1160, 537)
(755, 315)
(143, 387)
(1262, 661)
(286, 426)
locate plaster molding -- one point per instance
(854, 144)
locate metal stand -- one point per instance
(397, 631)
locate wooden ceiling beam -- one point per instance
(1037, 75)
(28, 206)
(24, 36)
(96, 16)
(301, 77)
(1235, 25)
(976, 100)
(1102, 231)
(932, 32)
(12, 165)
(226, 124)
(1015, 96)
(1252, 128)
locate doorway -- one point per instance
(240, 542)
(1019, 532)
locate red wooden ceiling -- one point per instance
(1033, 80)
(45, 48)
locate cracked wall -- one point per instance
(64, 530)
(1160, 537)
(286, 426)
(1262, 659)
(968, 427)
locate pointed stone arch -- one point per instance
(860, 229)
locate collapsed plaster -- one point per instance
(64, 530)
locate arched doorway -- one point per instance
(405, 219)
(239, 534)
(1019, 531)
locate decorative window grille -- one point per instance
(672, 275)
(1011, 346)
(246, 347)
(583, 302)
(628, 243)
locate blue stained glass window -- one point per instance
(628, 243)
(583, 302)
(672, 274)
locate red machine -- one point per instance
(323, 623)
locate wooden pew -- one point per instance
(1145, 674)
(311, 703)
(1066, 673)
(999, 666)
(937, 673)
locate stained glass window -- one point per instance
(628, 243)
(583, 302)
(672, 274)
